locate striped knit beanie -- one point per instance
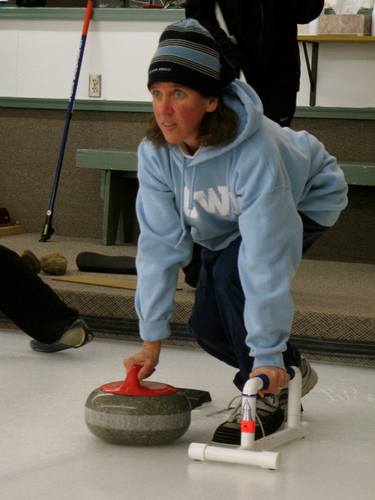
(188, 55)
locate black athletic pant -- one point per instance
(279, 104)
(29, 302)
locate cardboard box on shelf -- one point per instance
(344, 24)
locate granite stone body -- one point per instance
(137, 420)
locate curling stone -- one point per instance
(137, 413)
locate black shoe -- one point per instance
(270, 418)
(77, 335)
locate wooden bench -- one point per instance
(358, 173)
(118, 189)
(119, 186)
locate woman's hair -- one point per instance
(218, 127)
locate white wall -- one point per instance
(38, 59)
(346, 74)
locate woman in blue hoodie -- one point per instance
(215, 171)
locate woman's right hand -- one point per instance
(147, 358)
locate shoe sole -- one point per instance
(48, 348)
(59, 346)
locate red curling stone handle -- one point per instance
(132, 386)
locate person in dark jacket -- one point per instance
(263, 45)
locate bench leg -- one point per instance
(129, 188)
(118, 193)
(112, 206)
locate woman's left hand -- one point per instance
(278, 377)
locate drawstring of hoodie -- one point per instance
(182, 221)
(191, 193)
(191, 200)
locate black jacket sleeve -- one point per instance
(204, 12)
(305, 10)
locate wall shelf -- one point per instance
(315, 40)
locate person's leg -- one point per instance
(217, 318)
(192, 270)
(29, 302)
(217, 321)
(217, 324)
(204, 323)
(279, 104)
(231, 303)
(311, 231)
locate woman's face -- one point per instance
(179, 111)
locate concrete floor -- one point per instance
(47, 452)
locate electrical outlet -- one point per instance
(95, 85)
